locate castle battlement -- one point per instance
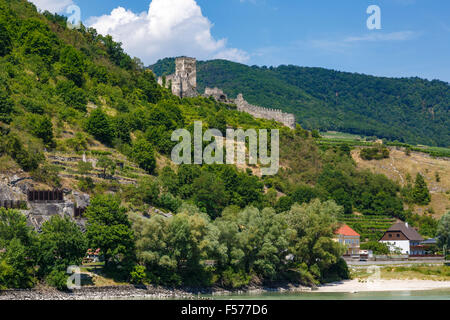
(184, 84)
(288, 119)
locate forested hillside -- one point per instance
(69, 94)
(410, 110)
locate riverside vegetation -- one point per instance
(70, 92)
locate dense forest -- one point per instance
(73, 92)
(410, 110)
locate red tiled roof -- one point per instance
(345, 230)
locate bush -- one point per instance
(375, 153)
(232, 279)
(376, 247)
(57, 279)
(138, 275)
(48, 174)
(169, 202)
(77, 143)
(86, 184)
(27, 158)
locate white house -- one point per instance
(403, 238)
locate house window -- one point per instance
(390, 235)
(398, 235)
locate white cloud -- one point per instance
(52, 5)
(169, 28)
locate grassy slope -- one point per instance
(399, 165)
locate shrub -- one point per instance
(48, 174)
(57, 279)
(138, 275)
(232, 279)
(86, 184)
(376, 247)
(375, 153)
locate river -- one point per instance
(437, 294)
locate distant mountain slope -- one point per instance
(410, 110)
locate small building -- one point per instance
(348, 237)
(403, 238)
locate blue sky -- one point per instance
(414, 39)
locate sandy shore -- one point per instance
(383, 285)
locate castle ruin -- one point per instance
(288, 119)
(184, 84)
(184, 81)
(217, 94)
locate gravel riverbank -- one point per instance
(135, 293)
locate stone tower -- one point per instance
(184, 80)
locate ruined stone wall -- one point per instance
(287, 119)
(216, 93)
(184, 80)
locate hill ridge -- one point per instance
(411, 110)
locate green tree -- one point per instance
(122, 128)
(443, 230)
(172, 248)
(73, 64)
(62, 244)
(143, 154)
(303, 194)
(43, 129)
(16, 269)
(315, 134)
(283, 204)
(98, 124)
(209, 193)
(314, 248)
(107, 164)
(40, 44)
(109, 229)
(421, 194)
(19, 247)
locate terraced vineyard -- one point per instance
(369, 227)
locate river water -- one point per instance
(438, 294)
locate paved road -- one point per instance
(407, 262)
